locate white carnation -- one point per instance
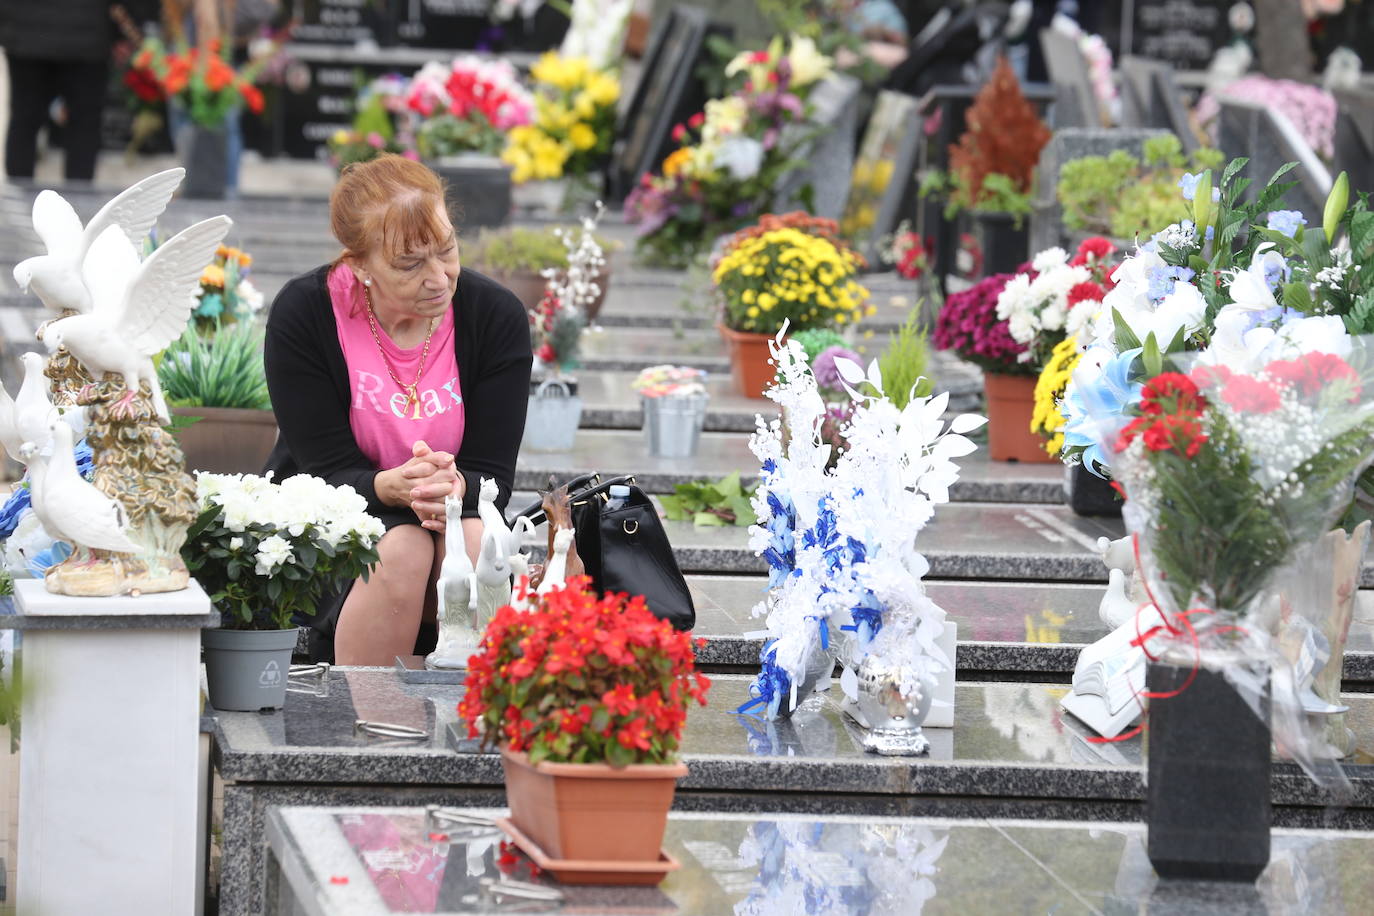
(1049, 259)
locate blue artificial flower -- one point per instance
(770, 685)
(211, 306)
(1161, 280)
(44, 560)
(1091, 412)
(1189, 184)
(1286, 221)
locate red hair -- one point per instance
(390, 203)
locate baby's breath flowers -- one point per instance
(790, 274)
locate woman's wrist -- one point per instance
(392, 488)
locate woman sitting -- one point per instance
(395, 371)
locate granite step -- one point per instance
(614, 452)
(1007, 630)
(1000, 541)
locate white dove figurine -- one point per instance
(139, 308)
(556, 570)
(70, 507)
(56, 277)
(27, 416)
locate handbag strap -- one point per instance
(578, 492)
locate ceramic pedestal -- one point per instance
(109, 756)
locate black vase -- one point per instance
(206, 155)
(1005, 241)
(1088, 494)
(479, 188)
(1207, 804)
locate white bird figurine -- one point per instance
(56, 277)
(556, 568)
(139, 308)
(26, 417)
(70, 507)
(493, 581)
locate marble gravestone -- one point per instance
(1076, 104)
(1354, 141)
(1046, 220)
(830, 157)
(1270, 140)
(1150, 97)
(881, 171)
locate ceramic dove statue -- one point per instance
(138, 308)
(556, 569)
(56, 277)
(493, 582)
(26, 417)
(457, 593)
(70, 507)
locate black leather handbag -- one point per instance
(624, 547)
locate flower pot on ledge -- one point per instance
(479, 187)
(227, 440)
(591, 811)
(1010, 405)
(751, 365)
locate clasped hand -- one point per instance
(432, 476)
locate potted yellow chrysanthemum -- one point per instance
(561, 155)
(791, 269)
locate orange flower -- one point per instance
(676, 160)
(252, 97)
(218, 75)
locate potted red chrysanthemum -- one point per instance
(587, 698)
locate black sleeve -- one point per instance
(312, 412)
(496, 396)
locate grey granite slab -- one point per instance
(1009, 741)
(348, 861)
(616, 452)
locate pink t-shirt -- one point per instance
(385, 426)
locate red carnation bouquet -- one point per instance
(582, 679)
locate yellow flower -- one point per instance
(603, 89)
(808, 64)
(581, 136)
(767, 301)
(213, 275)
(676, 160)
(753, 312)
(583, 106)
(1046, 417)
(340, 137)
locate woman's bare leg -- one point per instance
(381, 616)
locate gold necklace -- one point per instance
(412, 395)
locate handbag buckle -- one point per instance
(627, 525)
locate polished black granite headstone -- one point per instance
(369, 861)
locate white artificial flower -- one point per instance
(742, 157)
(807, 63)
(250, 296)
(236, 543)
(1081, 318)
(1250, 289)
(1049, 259)
(273, 552)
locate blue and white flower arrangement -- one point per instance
(841, 543)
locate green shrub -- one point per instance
(222, 370)
(904, 364)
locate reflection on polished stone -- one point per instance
(354, 861)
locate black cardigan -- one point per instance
(308, 381)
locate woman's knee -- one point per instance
(406, 557)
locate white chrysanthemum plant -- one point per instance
(268, 553)
(841, 543)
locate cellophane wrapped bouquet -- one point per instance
(841, 543)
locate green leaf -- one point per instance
(743, 509)
(673, 507)
(1125, 337)
(1232, 168)
(1361, 232)
(708, 520)
(1297, 296)
(1177, 344)
(729, 485)
(1151, 357)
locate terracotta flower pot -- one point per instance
(528, 287)
(750, 361)
(591, 811)
(1010, 404)
(227, 440)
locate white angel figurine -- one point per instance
(138, 309)
(56, 277)
(457, 593)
